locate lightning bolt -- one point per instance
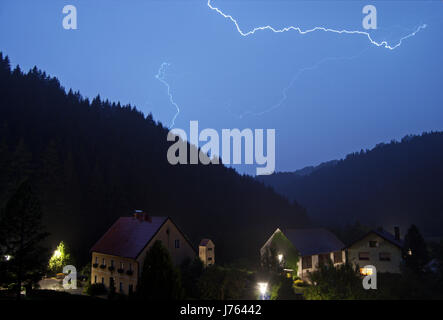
(291, 83)
(383, 44)
(161, 76)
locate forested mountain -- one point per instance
(396, 183)
(92, 162)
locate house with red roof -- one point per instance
(118, 256)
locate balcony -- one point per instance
(111, 268)
(102, 266)
(95, 265)
(120, 270)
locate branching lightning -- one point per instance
(161, 76)
(297, 75)
(383, 44)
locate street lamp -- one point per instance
(262, 287)
(57, 253)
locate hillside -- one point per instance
(92, 162)
(395, 183)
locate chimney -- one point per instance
(142, 216)
(397, 233)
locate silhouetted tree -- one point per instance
(21, 233)
(415, 250)
(160, 279)
(191, 271)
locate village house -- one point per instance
(314, 247)
(378, 248)
(117, 258)
(206, 252)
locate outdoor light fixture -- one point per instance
(280, 257)
(8, 257)
(262, 287)
(57, 253)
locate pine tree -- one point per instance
(21, 233)
(415, 250)
(160, 280)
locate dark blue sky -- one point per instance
(346, 94)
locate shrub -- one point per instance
(95, 289)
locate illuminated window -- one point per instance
(366, 271)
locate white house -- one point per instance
(314, 247)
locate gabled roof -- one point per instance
(205, 242)
(382, 234)
(313, 241)
(128, 236)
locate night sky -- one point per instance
(343, 93)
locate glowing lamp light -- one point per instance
(280, 257)
(57, 253)
(262, 287)
(8, 257)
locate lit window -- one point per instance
(366, 271)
